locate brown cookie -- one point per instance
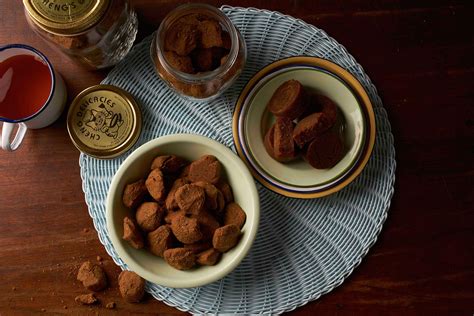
(226, 237)
(149, 216)
(92, 276)
(207, 168)
(170, 201)
(310, 127)
(283, 144)
(181, 63)
(214, 198)
(160, 240)
(134, 193)
(288, 100)
(180, 258)
(211, 33)
(155, 184)
(325, 151)
(208, 257)
(181, 38)
(168, 163)
(234, 214)
(131, 286)
(190, 198)
(132, 234)
(186, 230)
(172, 214)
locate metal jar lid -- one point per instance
(66, 17)
(104, 121)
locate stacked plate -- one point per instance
(298, 179)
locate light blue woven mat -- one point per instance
(304, 248)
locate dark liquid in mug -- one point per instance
(25, 85)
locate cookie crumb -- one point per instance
(110, 305)
(32, 299)
(43, 310)
(13, 288)
(65, 307)
(99, 258)
(86, 299)
(85, 230)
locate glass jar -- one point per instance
(97, 33)
(179, 48)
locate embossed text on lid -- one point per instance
(104, 121)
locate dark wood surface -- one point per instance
(419, 54)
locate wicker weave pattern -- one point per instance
(304, 248)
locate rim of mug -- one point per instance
(53, 81)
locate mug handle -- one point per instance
(6, 135)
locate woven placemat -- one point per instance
(304, 248)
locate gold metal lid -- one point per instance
(104, 121)
(66, 17)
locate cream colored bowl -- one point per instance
(137, 165)
(298, 179)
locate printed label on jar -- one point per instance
(64, 10)
(102, 120)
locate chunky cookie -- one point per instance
(325, 151)
(288, 100)
(131, 286)
(160, 240)
(92, 276)
(132, 234)
(134, 193)
(149, 216)
(180, 258)
(155, 184)
(226, 237)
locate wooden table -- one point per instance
(419, 54)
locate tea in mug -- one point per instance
(25, 86)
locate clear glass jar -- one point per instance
(97, 33)
(172, 60)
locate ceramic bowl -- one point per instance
(297, 178)
(137, 165)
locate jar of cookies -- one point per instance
(198, 52)
(97, 33)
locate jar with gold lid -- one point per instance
(97, 33)
(198, 51)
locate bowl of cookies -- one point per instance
(304, 126)
(182, 211)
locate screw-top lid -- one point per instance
(104, 121)
(66, 17)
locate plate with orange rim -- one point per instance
(298, 179)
